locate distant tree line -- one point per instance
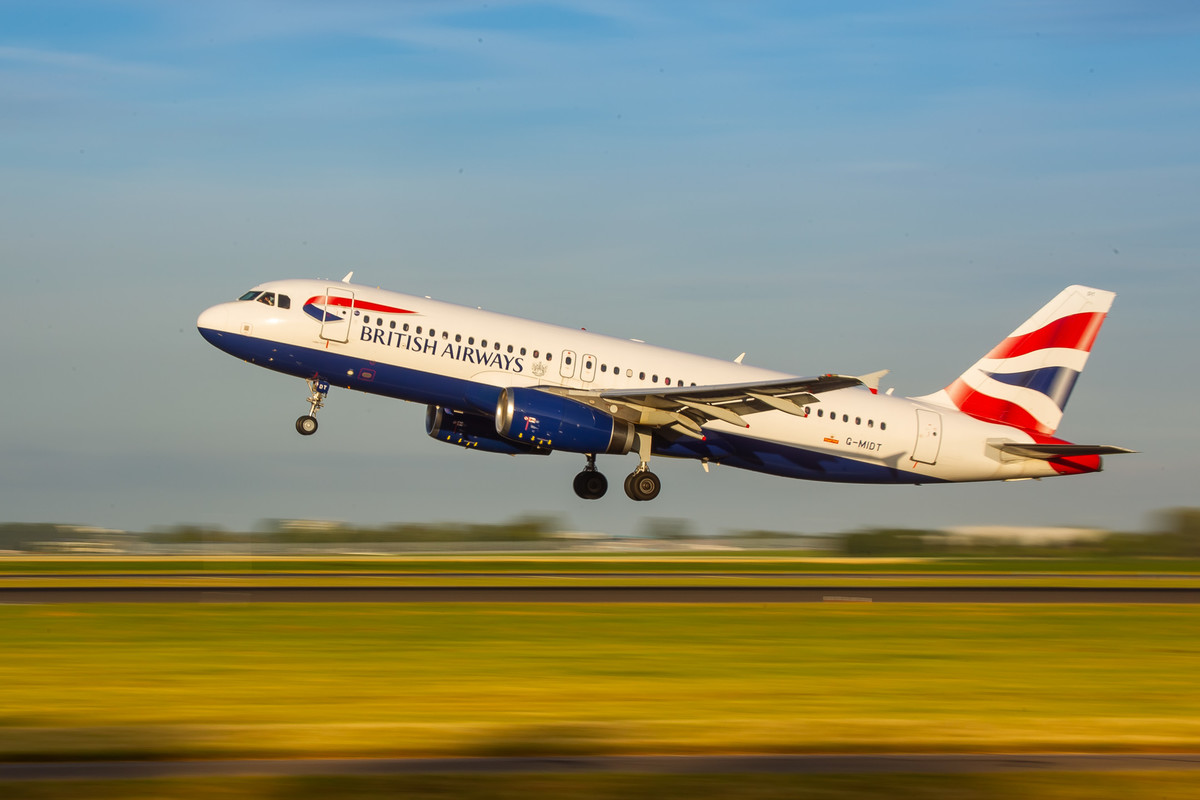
(1176, 534)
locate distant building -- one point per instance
(1023, 536)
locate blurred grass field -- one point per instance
(1039, 786)
(594, 563)
(193, 680)
(620, 569)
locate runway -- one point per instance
(941, 764)
(606, 575)
(596, 594)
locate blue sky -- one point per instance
(829, 188)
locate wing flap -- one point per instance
(726, 402)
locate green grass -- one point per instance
(1040, 786)
(591, 563)
(151, 681)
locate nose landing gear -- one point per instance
(307, 425)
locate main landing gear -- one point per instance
(591, 484)
(641, 484)
(307, 425)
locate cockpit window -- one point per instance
(267, 298)
(284, 301)
(250, 295)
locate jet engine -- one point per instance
(473, 432)
(560, 423)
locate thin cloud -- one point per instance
(78, 62)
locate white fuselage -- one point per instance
(446, 355)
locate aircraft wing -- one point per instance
(686, 408)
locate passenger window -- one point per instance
(510, 348)
(497, 346)
(858, 420)
(432, 332)
(604, 367)
(820, 412)
(845, 417)
(654, 379)
(567, 360)
(418, 329)
(883, 426)
(549, 356)
(522, 351)
(870, 423)
(392, 324)
(535, 353)
(470, 340)
(458, 337)
(628, 373)
(586, 364)
(379, 321)
(483, 342)
(641, 376)
(445, 335)
(366, 320)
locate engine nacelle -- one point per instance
(560, 423)
(473, 432)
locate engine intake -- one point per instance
(560, 423)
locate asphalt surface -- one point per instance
(836, 576)
(941, 764)
(595, 594)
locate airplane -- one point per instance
(503, 384)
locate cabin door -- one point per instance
(339, 312)
(929, 436)
(566, 367)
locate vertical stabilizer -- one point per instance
(1026, 379)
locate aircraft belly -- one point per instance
(788, 460)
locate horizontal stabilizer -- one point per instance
(1049, 451)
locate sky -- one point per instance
(827, 187)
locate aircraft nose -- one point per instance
(212, 320)
(213, 323)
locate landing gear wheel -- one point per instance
(590, 484)
(643, 485)
(307, 426)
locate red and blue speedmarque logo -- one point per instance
(322, 308)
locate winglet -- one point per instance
(871, 379)
(738, 360)
(349, 275)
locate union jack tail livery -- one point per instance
(1026, 379)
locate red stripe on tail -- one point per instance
(992, 409)
(1076, 332)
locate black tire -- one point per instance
(590, 485)
(643, 485)
(306, 425)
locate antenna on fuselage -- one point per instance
(349, 275)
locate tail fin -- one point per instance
(1026, 379)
